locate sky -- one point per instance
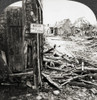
(19, 4)
(57, 10)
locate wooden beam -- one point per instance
(21, 74)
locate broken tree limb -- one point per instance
(50, 80)
(50, 60)
(9, 84)
(55, 68)
(53, 58)
(63, 76)
(88, 82)
(94, 91)
(88, 69)
(80, 84)
(57, 77)
(49, 50)
(76, 77)
(69, 80)
(21, 74)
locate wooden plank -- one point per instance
(15, 39)
(21, 74)
(51, 81)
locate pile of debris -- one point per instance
(60, 70)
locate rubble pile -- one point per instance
(61, 70)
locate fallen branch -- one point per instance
(50, 80)
(76, 77)
(9, 84)
(80, 84)
(50, 60)
(21, 74)
(88, 82)
(53, 58)
(88, 69)
(93, 90)
(55, 68)
(62, 76)
(49, 50)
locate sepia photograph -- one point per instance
(48, 50)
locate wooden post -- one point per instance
(38, 57)
(32, 15)
(38, 71)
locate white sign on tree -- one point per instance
(36, 28)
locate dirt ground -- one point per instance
(67, 93)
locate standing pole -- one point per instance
(38, 59)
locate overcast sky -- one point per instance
(19, 4)
(57, 10)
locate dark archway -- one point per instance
(92, 4)
(5, 3)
